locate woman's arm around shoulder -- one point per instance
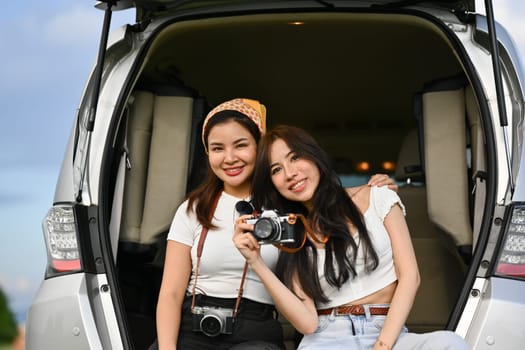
(177, 271)
(358, 193)
(380, 180)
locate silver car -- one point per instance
(429, 92)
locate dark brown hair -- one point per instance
(331, 212)
(205, 194)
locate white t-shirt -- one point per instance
(382, 199)
(221, 263)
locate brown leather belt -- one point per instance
(357, 310)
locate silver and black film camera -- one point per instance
(270, 227)
(212, 321)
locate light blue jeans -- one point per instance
(361, 332)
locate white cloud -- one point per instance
(44, 46)
(511, 17)
(510, 14)
(47, 48)
(76, 26)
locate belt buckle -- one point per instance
(337, 313)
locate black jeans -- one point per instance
(255, 328)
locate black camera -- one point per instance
(270, 227)
(212, 321)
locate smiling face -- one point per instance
(231, 153)
(295, 177)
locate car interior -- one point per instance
(382, 93)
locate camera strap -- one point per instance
(292, 218)
(200, 246)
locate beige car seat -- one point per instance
(440, 266)
(155, 183)
(151, 182)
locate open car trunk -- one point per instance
(382, 93)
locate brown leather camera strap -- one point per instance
(200, 246)
(292, 218)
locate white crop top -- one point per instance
(221, 263)
(381, 201)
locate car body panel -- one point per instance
(498, 320)
(74, 311)
(61, 313)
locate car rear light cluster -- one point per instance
(60, 234)
(511, 261)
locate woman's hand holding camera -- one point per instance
(245, 242)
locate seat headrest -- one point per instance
(408, 161)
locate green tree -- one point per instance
(8, 327)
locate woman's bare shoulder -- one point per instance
(358, 191)
(360, 195)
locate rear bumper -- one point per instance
(61, 317)
(499, 318)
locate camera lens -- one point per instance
(265, 229)
(244, 207)
(211, 325)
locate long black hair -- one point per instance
(331, 213)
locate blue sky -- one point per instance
(48, 48)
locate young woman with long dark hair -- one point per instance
(353, 283)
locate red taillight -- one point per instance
(60, 234)
(64, 265)
(511, 261)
